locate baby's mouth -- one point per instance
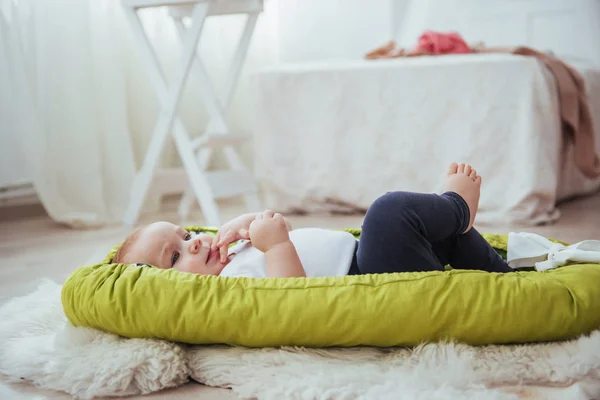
(210, 254)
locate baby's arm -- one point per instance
(283, 262)
(269, 234)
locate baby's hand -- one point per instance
(230, 232)
(268, 230)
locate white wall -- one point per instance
(312, 30)
(346, 29)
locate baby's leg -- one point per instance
(400, 227)
(470, 251)
(417, 232)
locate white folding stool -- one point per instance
(193, 179)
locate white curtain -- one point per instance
(74, 89)
(66, 103)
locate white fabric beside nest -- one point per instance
(40, 346)
(338, 135)
(531, 250)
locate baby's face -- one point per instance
(165, 246)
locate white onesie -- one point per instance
(322, 252)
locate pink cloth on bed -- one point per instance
(442, 43)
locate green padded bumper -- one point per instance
(401, 309)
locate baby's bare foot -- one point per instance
(463, 179)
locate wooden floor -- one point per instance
(32, 248)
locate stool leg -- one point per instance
(217, 123)
(169, 99)
(252, 200)
(198, 182)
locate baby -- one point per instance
(401, 232)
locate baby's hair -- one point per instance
(130, 240)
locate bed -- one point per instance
(334, 136)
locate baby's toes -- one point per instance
(452, 168)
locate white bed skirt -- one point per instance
(337, 136)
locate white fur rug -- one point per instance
(39, 345)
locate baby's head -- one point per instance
(166, 246)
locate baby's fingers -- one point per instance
(223, 251)
(215, 242)
(244, 234)
(226, 239)
(268, 214)
(223, 245)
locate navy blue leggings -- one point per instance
(407, 232)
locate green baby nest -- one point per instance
(401, 309)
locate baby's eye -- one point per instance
(187, 236)
(174, 258)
